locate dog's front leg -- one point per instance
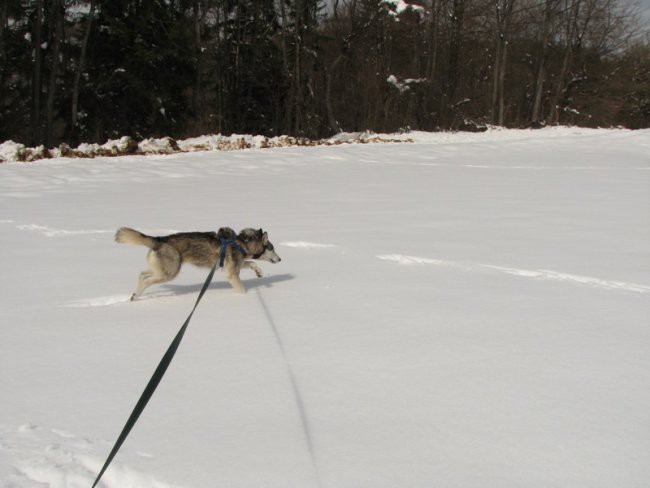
(232, 275)
(236, 283)
(254, 267)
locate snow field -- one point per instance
(465, 311)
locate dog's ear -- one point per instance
(265, 238)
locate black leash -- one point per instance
(155, 379)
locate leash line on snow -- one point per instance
(158, 374)
(300, 404)
(154, 381)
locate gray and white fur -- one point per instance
(168, 253)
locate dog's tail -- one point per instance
(126, 235)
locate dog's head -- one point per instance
(258, 244)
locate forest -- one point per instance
(76, 71)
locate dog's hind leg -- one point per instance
(144, 281)
(164, 265)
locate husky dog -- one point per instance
(203, 249)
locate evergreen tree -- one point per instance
(140, 61)
(16, 61)
(88, 70)
(252, 86)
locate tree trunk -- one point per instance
(501, 81)
(219, 70)
(453, 73)
(4, 13)
(198, 101)
(294, 121)
(57, 35)
(77, 76)
(36, 75)
(432, 63)
(536, 115)
(496, 71)
(333, 123)
(288, 107)
(504, 17)
(567, 61)
(433, 48)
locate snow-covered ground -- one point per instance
(471, 310)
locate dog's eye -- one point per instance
(270, 247)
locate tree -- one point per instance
(37, 73)
(252, 84)
(503, 17)
(301, 44)
(456, 16)
(89, 70)
(57, 12)
(550, 11)
(140, 58)
(80, 69)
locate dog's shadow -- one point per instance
(249, 284)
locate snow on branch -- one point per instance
(406, 84)
(397, 7)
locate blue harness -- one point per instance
(225, 243)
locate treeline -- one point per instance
(92, 70)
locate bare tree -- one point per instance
(434, 37)
(81, 64)
(453, 73)
(37, 73)
(503, 16)
(56, 35)
(550, 8)
(572, 12)
(4, 16)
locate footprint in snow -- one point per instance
(98, 301)
(53, 232)
(113, 300)
(35, 456)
